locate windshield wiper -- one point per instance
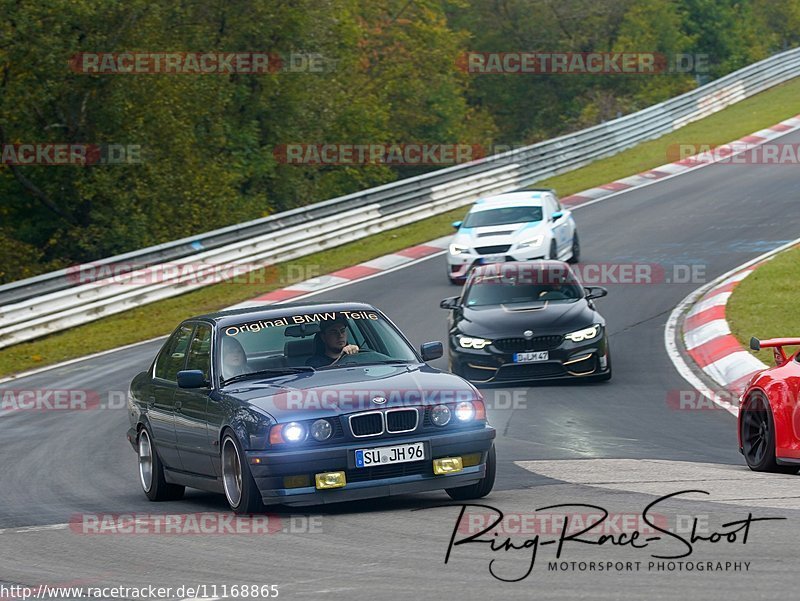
(389, 362)
(275, 371)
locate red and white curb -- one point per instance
(707, 340)
(350, 274)
(689, 163)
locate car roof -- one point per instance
(274, 311)
(531, 198)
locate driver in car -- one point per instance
(331, 343)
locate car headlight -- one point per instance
(584, 334)
(531, 242)
(321, 430)
(476, 343)
(457, 249)
(465, 411)
(440, 415)
(293, 432)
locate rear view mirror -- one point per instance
(192, 378)
(431, 350)
(449, 303)
(302, 330)
(595, 292)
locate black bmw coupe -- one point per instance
(522, 321)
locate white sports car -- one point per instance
(517, 226)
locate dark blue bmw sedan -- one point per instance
(301, 404)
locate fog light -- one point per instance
(447, 465)
(296, 481)
(330, 480)
(471, 459)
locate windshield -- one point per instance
(537, 286)
(304, 340)
(523, 214)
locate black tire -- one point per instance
(479, 489)
(241, 491)
(576, 249)
(553, 251)
(151, 471)
(758, 436)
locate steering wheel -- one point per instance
(362, 356)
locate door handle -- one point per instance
(178, 406)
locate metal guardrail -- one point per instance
(62, 299)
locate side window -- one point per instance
(200, 350)
(552, 205)
(173, 355)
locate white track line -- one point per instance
(671, 328)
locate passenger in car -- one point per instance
(234, 359)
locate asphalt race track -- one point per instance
(56, 465)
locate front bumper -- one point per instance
(568, 361)
(365, 483)
(459, 266)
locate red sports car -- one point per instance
(769, 415)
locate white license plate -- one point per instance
(494, 258)
(531, 357)
(397, 454)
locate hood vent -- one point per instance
(485, 234)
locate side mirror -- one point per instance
(192, 378)
(457, 224)
(449, 303)
(595, 292)
(557, 215)
(431, 350)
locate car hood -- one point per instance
(343, 390)
(512, 320)
(509, 233)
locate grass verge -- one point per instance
(157, 319)
(764, 303)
